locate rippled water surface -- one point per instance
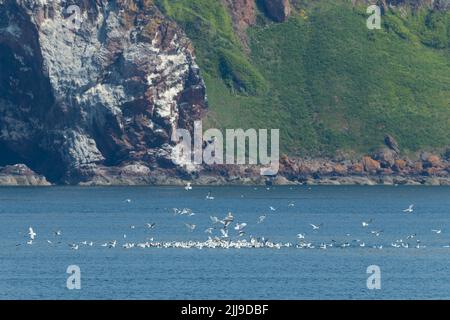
(102, 215)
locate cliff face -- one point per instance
(104, 88)
(94, 96)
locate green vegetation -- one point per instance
(323, 78)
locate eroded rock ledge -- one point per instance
(21, 175)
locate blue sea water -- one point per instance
(38, 271)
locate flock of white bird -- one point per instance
(225, 240)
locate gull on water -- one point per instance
(366, 224)
(209, 196)
(315, 227)
(151, 225)
(437, 231)
(112, 244)
(188, 186)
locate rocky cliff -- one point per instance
(91, 90)
(101, 87)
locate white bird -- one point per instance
(376, 233)
(151, 225)
(191, 227)
(272, 208)
(229, 217)
(240, 227)
(58, 233)
(366, 224)
(188, 186)
(291, 204)
(301, 236)
(128, 200)
(224, 233)
(315, 227)
(186, 211)
(73, 246)
(410, 209)
(31, 233)
(261, 219)
(209, 196)
(209, 230)
(30, 242)
(438, 231)
(214, 219)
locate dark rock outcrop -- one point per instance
(392, 143)
(105, 88)
(278, 10)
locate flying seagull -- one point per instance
(261, 218)
(224, 233)
(191, 227)
(410, 209)
(209, 230)
(240, 226)
(31, 233)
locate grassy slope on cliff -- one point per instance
(323, 78)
